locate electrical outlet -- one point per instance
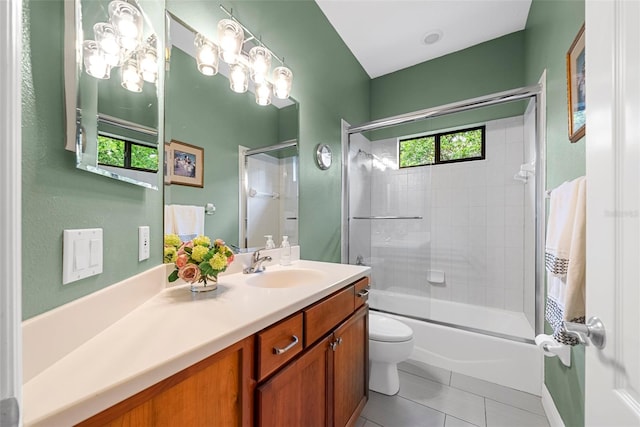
(143, 243)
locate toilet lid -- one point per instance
(382, 328)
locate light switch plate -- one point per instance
(143, 243)
(81, 254)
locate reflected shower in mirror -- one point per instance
(269, 194)
(114, 130)
(203, 112)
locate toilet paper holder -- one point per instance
(551, 348)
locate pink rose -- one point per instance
(219, 242)
(182, 260)
(189, 273)
(188, 244)
(230, 259)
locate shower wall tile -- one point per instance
(475, 218)
(495, 297)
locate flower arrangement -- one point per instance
(197, 260)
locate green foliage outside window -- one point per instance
(114, 152)
(461, 145)
(143, 157)
(110, 151)
(418, 151)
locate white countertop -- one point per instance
(172, 330)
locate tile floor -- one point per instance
(431, 396)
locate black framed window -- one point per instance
(461, 145)
(121, 153)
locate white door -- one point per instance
(612, 381)
(10, 200)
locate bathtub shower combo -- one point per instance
(455, 246)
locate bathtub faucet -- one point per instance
(256, 263)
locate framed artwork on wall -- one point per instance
(167, 162)
(186, 164)
(576, 90)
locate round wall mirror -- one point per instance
(323, 156)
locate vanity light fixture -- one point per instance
(260, 63)
(206, 55)
(148, 57)
(128, 23)
(131, 75)
(94, 62)
(239, 78)
(256, 64)
(118, 43)
(231, 37)
(263, 93)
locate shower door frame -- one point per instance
(535, 93)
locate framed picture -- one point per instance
(167, 162)
(576, 88)
(187, 164)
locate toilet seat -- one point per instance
(386, 329)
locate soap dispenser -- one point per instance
(285, 254)
(270, 243)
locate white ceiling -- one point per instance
(387, 35)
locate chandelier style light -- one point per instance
(254, 65)
(118, 43)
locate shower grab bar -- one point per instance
(386, 217)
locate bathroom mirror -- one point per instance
(269, 194)
(113, 88)
(203, 112)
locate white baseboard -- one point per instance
(555, 420)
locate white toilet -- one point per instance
(390, 342)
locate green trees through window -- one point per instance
(126, 154)
(445, 147)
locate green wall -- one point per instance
(57, 196)
(486, 68)
(551, 28)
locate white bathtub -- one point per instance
(502, 361)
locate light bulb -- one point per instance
(131, 77)
(239, 78)
(128, 24)
(206, 55)
(260, 62)
(95, 63)
(282, 82)
(230, 37)
(263, 93)
(149, 64)
(106, 38)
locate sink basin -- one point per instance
(289, 278)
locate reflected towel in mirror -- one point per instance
(185, 221)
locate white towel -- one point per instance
(565, 255)
(168, 219)
(188, 221)
(562, 212)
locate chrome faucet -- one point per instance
(256, 263)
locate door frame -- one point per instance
(10, 216)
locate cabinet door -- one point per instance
(215, 392)
(350, 368)
(297, 395)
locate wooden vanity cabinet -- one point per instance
(327, 385)
(217, 391)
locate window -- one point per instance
(446, 147)
(113, 151)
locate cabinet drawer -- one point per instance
(320, 318)
(278, 344)
(361, 292)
